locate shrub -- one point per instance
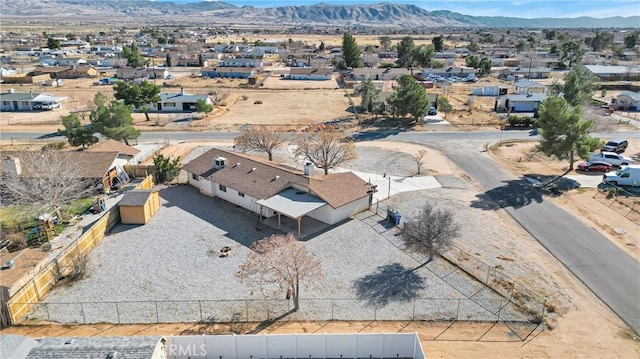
(257, 102)
(54, 146)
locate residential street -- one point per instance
(609, 272)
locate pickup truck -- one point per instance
(610, 157)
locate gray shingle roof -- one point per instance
(16, 346)
(136, 197)
(133, 347)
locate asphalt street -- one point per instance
(609, 272)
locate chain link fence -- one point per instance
(258, 310)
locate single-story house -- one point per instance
(615, 73)
(627, 101)
(179, 102)
(126, 153)
(129, 73)
(520, 103)
(101, 167)
(241, 62)
(320, 61)
(529, 73)
(22, 101)
(269, 189)
(311, 73)
(383, 74)
(230, 72)
(523, 87)
(138, 206)
(71, 61)
(67, 72)
(461, 72)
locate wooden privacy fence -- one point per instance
(66, 264)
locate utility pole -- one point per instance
(389, 189)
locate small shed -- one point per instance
(138, 206)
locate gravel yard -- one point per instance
(169, 269)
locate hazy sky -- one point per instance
(513, 8)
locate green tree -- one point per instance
(631, 40)
(405, 52)
(438, 43)
(165, 166)
(521, 45)
(100, 99)
(472, 61)
(200, 60)
(368, 94)
(350, 51)
(71, 36)
(167, 60)
(600, 41)
(549, 34)
(579, 86)
(571, 51)
(473, 47)
(385, 43)
(76, 134)
(322, 46)
(484, 66)
(409, 98)
(443, 105)
(204, 107)
(115, 122)
(422, 56)
(53, 43)
(564, 134)
(131, 53)
(139, 96)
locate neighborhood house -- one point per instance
(180, 102)
(21, 101)
(271, 190)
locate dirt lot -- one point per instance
(617, 219)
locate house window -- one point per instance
(194, 176)
(240, 194)
(170, 104)
(6, 103)
(222, 188)
(25, 103)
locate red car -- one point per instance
(595, 166)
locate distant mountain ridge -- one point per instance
(381, 14)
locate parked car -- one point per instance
(595, 166)
(432, 111)
(617, 146)
(610, 157)
(625, 176)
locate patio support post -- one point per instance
(299, 227)
(278, 220)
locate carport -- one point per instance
(292, 203)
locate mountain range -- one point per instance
(218, 12)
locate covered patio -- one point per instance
(294, 204)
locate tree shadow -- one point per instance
(514, 193)
(522, 192)
(390, 282)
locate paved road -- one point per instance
(431, 136)
(609, 272)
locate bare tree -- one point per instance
(326, 150)
(419, 158)
(431, 231)
(43, 181)
(258, 138)
(280, 263)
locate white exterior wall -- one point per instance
(329, 215)
(359, 345)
